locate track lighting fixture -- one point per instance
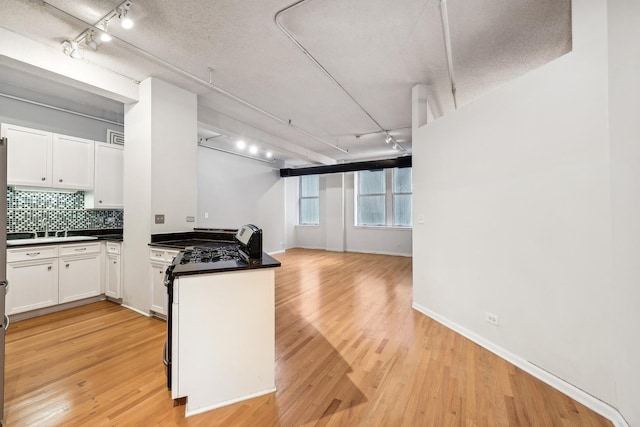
(104, 35)
(90, 41)
(72, 49)
(122, 10)
(388, 139)
(98, 33)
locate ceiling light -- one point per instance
(269, 154)
(253, 149)
(71, 48)
(388, 139)
(241, 145)
(395, 146)
(104, 35)
(125, 21)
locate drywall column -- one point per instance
(624, 92)
(420, 112)
(160, 175)
(334, 211)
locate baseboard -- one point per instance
(281, 251)
(188, 412)
(559, 384)
(354, 251)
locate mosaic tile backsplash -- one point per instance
(37, 211)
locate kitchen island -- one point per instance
(222, 330)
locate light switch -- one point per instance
(420, 219)
(191, 219)
(159, 218)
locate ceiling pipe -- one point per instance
(201, 81)
(447, 47)
(295, 41)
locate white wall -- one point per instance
(624, 93)
(234, 191)
(337, 230)
(160, 176)
(515, 191)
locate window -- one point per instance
(309, 200)
(402, 197)
(384, 198)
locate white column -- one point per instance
(160, 177)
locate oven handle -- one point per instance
(165, 359)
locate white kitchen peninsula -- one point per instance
(223, 336)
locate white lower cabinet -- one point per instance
(33, 284)
(113, 271)
(160, 260)
(43, 276)
(79, 272)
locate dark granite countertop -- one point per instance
(21, 239)
(267, 261)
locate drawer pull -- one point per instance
(33, 253)
(49, 268)
(80, 249)
(67, 265)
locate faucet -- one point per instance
(45, 224)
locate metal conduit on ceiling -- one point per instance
(199, 80)
(299, 45)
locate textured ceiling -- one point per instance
(376, 49)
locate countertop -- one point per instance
(21, 239)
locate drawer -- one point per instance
(80, 249)
(113, 247)
(162, 255)
(32, 252)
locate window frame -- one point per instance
(389, 205)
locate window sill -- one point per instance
(308, 225)
(384, 227)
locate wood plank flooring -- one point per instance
(350, 351)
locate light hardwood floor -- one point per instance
(350, 351)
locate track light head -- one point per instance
(122, 10)
(72, 49)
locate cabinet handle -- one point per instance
(80, 249)
(33, 253)
(60, 180)
(43, 179)
(99, 201)
(49, 268)
(67, 265)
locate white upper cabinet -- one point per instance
(43, 159)
(109, 172)
(72, 162)
(29, 156)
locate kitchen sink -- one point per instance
(45, 240)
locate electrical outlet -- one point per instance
(492, 318)
(206, 215)
(159, 218)
(191, 219)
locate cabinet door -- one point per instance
(108, 185)
(72, 162)
(158, 290)
(79, 278)
(113, 276)
(34, 284)
(28, 156)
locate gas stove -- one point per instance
(196, 254)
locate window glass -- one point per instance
(372, 182)
(309, 202)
